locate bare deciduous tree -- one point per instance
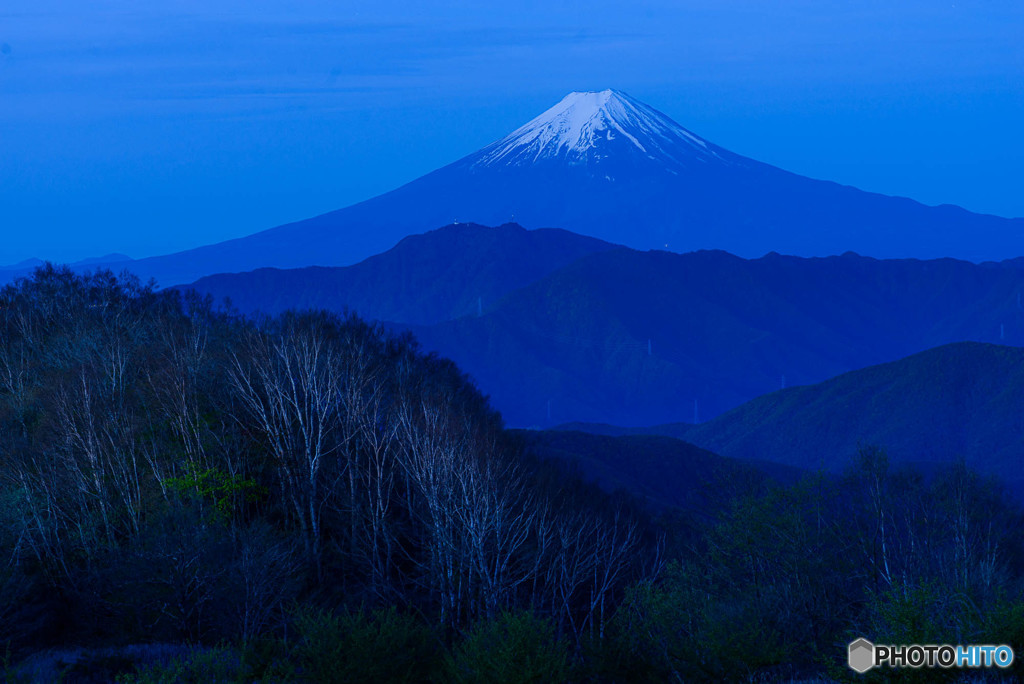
(287, 380)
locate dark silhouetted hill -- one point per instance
(447, 273)
(644, 338)
(659, 470)
(956, 401)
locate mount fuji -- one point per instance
(605, 165)
(601, 132)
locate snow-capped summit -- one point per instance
(606, 165)
(588, 127)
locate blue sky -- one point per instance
(149, 127)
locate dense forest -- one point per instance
(190, 495)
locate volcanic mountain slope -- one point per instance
(606, 165)
(447, 273)
(956, 401)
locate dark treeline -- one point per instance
(312, 498)
(174, 473)
(778, 583)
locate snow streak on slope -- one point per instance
(586, 127)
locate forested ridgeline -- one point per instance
(311, 498)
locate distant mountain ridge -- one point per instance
(115, 262)
(956, 401)
(641, 338)
(660, 471)
(606, 165)
(454, 271)
(608, 334)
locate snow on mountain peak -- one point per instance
(585, 126)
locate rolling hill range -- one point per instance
(956, 401)
(447, 273)
(660, 471)
(606, 165)
(673, 430)
(614, 335)
(634, 338)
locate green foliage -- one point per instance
(223, 489)
(1004, 624)
(919, 614)
(515, 648)
(269, 660)
(682, 629)
(925, 613)
(97, 667)
(379, 646)
(203, 666)
(9, 672)
(930, 613)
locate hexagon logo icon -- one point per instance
(861, 655)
